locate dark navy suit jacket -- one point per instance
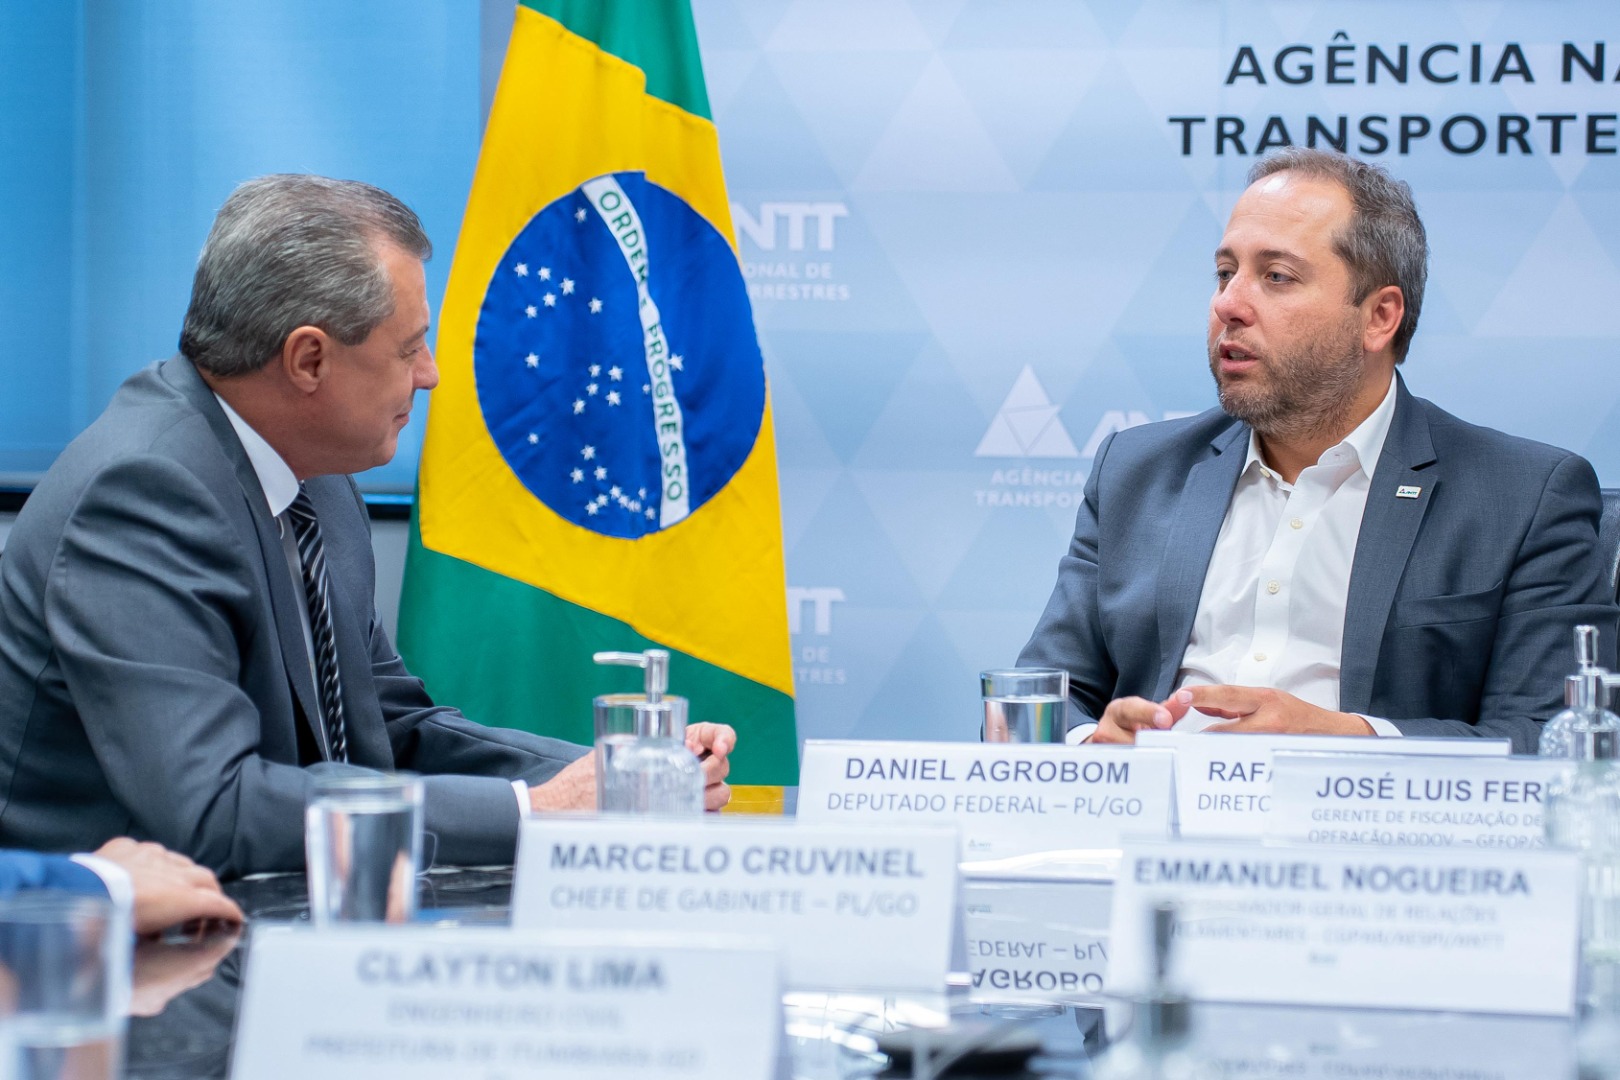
(153, 675)
(1461, 601)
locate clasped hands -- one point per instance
(1246, 710)
(574, 788)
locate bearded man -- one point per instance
(1324, 553)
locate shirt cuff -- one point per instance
(1381, 728)
(1079, 734)
(115, 877)
(521, 789)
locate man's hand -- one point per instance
(169, 888)
(572, 789)
(1124, 717)
(713, 743)
(575, 787)
(1258, 710)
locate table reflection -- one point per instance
(187, 989)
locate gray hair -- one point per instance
(1385, 243)
(292, 250)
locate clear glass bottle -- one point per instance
(1582, 813)
(642, 763)
(1555, 737)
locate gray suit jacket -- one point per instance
(1461, 600)
(153, 674)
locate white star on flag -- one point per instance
(522, 269)
(579, 215)
(613, 397)
(545, 273)
(614, 491)
(646, 388)
(568, 286)
(532, 360)
(531, 311)
(601, 473)
(615, 373)
(635, 505)
(579, 406)
(588, 453)
(533, 438)
(596, 369)
(642, 492)
(596, 306)
(577, 475)
(591, 389)
(551, 299)
(590, 508)
(677, 362)
(649, 513)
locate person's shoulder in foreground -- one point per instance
(186, 603)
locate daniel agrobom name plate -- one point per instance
(1008, 799)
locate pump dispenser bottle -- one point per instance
(1555, 734)
(642, 763)
(1582, 811)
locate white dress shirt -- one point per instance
(280, 486)
(1272, 610)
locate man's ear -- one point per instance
(307, 357)
(1383, 310)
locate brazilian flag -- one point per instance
(599, 470)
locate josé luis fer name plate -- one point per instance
(1223, 782)
(407, 1003)
(1007, 799)
(1416, 928)
(1489, 802)
(848, 909)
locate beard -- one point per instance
(1304, 391)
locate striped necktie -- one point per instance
(317, 591)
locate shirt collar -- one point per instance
(1365, 443)
(275, 475)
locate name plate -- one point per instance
(1411, 928)
(1277, 1042)
(1223, 782)
(1433, 801)
(1007, 799)
(400, 1003)
(1036, 939)
(855, 909)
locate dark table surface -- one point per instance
(190, 990)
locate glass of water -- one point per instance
(1024, 705)
(363, 840)
(64, 985)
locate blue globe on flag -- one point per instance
(616, 363)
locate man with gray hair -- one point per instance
(186, 613)
(1324, 553)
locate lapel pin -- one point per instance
(1407, 491)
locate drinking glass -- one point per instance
(64, 984)
(363, 839)
(1024, 705)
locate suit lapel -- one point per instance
(1389, 527)
(286, 596)
(1194, 526)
